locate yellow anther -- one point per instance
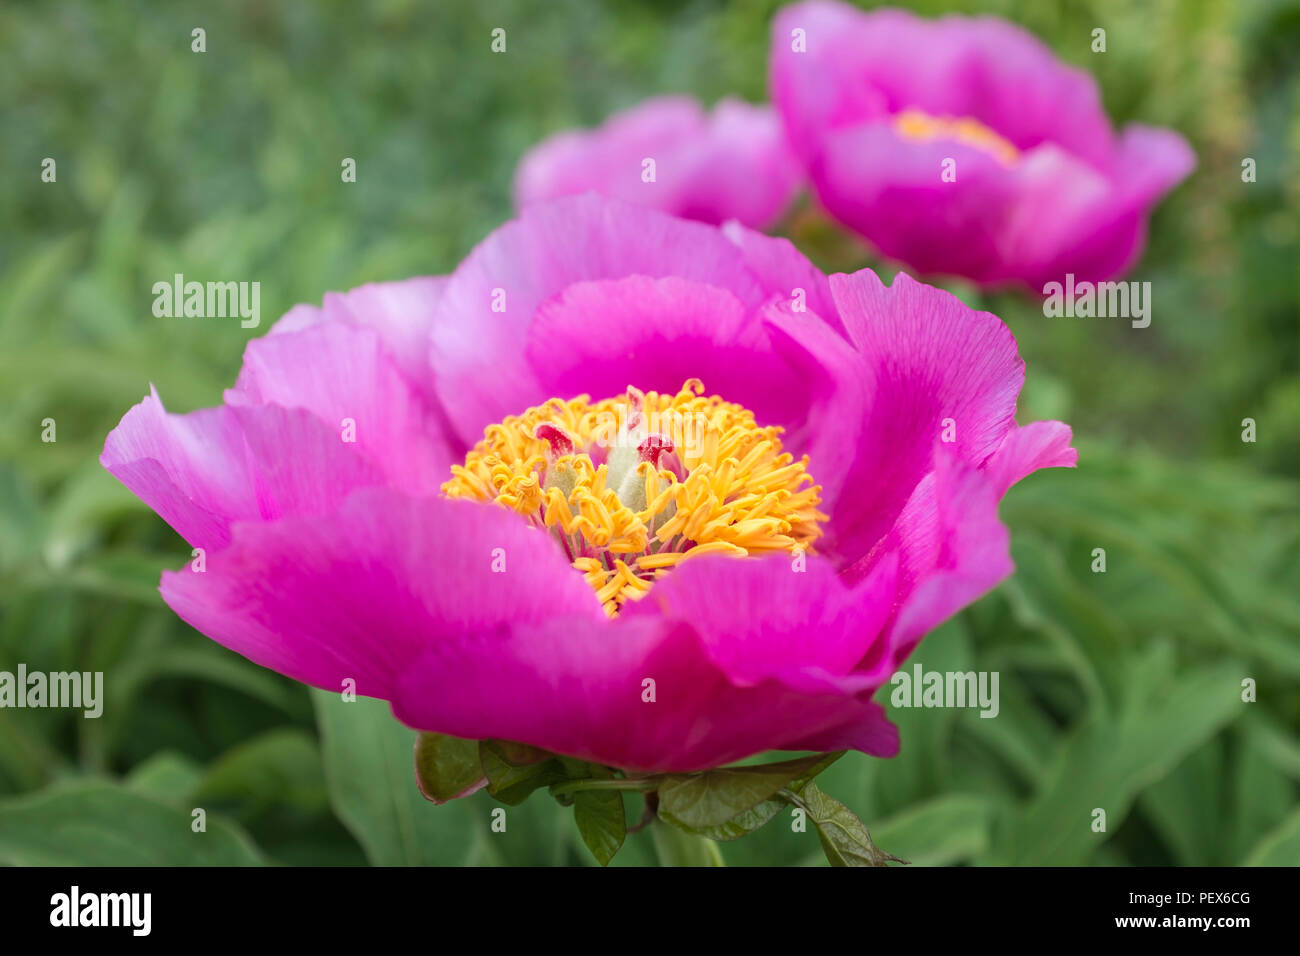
(921, 126)
(700, 475)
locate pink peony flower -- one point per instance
(405, 489)
(730, 164)
(962, 146)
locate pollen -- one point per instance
(630, 487)
(916, 125)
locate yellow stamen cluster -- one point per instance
(917, 125)
(722, 484)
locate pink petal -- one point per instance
(743, 169)
(360, 593)
(578, 690)
(733, 164)
(1102, 239)
(478, 354)
(400, 312)
(762, 618)
(343, 374)
(1076, 199)
(608, 160)
(951, 550)
(744, 656)
(831, 414)
(207, 469)
(893, 192)
(930, 358)
(861, 66)
(870, 732)
(1025, 450)
(656, 334)
(784, 271)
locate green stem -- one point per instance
(679, 848)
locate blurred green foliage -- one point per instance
(1118, 690)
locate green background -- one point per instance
(1119, 690)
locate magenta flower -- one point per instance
(410, 488)
(668, 154)
(963, 147)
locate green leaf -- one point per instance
(367, 757)
(514, 771)
(598, 812)
(1273, 742)
(1187, 808)
(96, 823)
(208, 662)
(756, 817)
(166, 775)
(280, 767)
(602, 822)
(1279, 848)
(539, 833)
(676, 847)
(1262, 795)
(446, 767)
(940, 832)
(844, 837)
(1108, 760)
(711, 800)
(742, 824)
(922, 767)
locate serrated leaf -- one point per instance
(710, 800)
(602, 822)
(742, 824)
(756, 817)
(844, 837)
(514, 771)
(447, 767)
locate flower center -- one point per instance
(631, 486)
(917, 125)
